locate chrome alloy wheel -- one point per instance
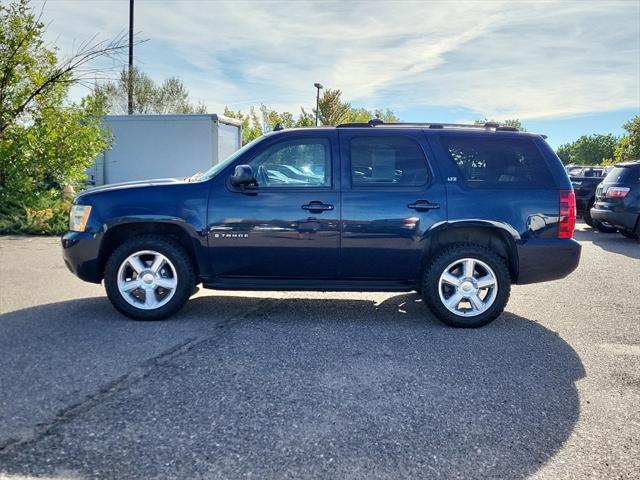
(468, 287)
(147, 280)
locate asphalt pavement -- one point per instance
(272, 385)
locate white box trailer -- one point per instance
(164, 146)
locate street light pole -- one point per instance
(319, 87)
(130, 79)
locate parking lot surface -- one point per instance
(312, 385)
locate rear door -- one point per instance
(391, 196)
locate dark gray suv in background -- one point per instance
(618, 199)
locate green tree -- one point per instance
(588, 150)
(263, 120)
(306, 119)
(46, 141)
(362, 115)
(332, 110)
(249, 131)
(359, 115)
(629, 146)
(171, 96)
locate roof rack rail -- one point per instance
(376, 122)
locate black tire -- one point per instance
(431, 284)
(628, 234)
(171, 250)
(604, 227)
(588, 219)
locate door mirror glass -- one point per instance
(243, 177)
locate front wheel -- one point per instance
(149, 277)
(467, 286)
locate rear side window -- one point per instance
(630, 174)
(392, 161)
(491, 162)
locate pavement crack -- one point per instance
(120, 384)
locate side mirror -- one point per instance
(243, 177)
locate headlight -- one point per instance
(78, 217)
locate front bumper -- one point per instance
(81, 254)
(548, 259)
(623, 220)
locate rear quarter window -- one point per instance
(629, 174)
(494, 162)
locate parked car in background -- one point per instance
(618, 199)
(584, 181)
(588, 171)
(457, 213)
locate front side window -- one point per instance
(493, 162)
(294, 163)
(387, 161)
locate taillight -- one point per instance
(616, 192)
(567, 222)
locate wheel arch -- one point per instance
(497, 236)
(120, 231)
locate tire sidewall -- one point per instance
(178, 257)
(603, 228)
(628, 234)
(431, 285)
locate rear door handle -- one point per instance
(423, 205)
(316, 206)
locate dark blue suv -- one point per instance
(457, 213)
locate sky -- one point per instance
(564, 68)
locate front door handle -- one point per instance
(423, 205)
(316, 207)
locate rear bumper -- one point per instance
(549, 259)
(624, 220)
(80, 251)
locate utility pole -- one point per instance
(130, 76)
(319, 87)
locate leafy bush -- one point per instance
(44, 214)
(46, 141)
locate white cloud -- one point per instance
(504, 59)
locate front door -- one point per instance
(391, 196)
(288, 227)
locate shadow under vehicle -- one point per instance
(352, 388)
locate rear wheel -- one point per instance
(587, 214)
(149, 277)
(604, 227)
(588, 219)
(466, 286)
(629, 234)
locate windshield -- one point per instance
(213, 171)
